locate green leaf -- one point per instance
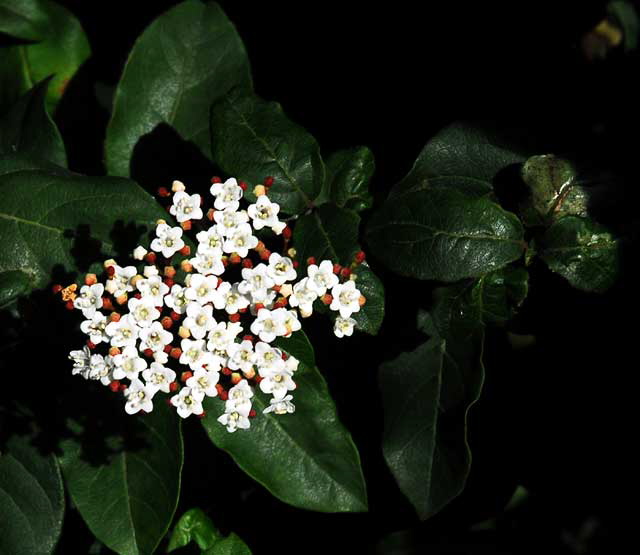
(187, 59)
(253, 139)
(31, 500)
(426, 396)
(625, 14)
(59, 47)
(12, 285)
(48, 214)
(28, 130)
(128, 502)
(369, 318)
(500, 293)
(553, 191)
(461, 156)
(306, 459)
(444, 235)
(582, 251)
(194, 525)
(349, 172)
(232, 545)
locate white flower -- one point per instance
(80, 360)
(291, 364)
(177, 300)
(201, 288)
(168, 241)
(120, 282)
(95, 328)
(150, 271)
(321, 277)
(139, 397)
(229, 220)
(207, 264)
(199, 319)
(195, 354)
(346, 298)
(161, 357)
(303, 297)
(276, 380)
(143, 310)
(281, 268)
(89, 299)
(153, 288)
(123, 332)
(268, 325)
(188, 402)
(155, 337)
(204, 381)
(255, 282)
(128, 364)
(290, 320)
(343, 326)
(228, 297)
(264, 213)
(239, 398)
(240, 241)
(139, 252)
(280, 406)
(210, 241)
(223, 335)
(241, 356)
(228, 194)
(159, 377)
(234, 419)
(100, 368)
(267, 357)
(185, 207)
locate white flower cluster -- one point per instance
(136, 313)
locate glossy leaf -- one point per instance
(194, 525)
(253, 139)
(582, 251)
(349, 172)
(128, 502)
(307, 458)
(444, 235)
(47, 212)
(28, 130)
(231, 545)
(31, 500)
(57, 46)
(187, 59)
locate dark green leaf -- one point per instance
(348, 174)
(369, 318)
(624, 12)
(12, 285)
(460, 156)
(444, 235)
(28, 130)
(59, 47)
(306, 459)
(500, 293)
(232, 545)
(196, 526)
(253, 139)
(582, 251)
(187, 59)
(31, 500)
(128, 503)
(47, 212)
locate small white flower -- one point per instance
(346, 298)
(229, 220)
(204, 381)
(276, 380)
(240, 241)
(268, 325)
(155, 337)
(343, 326)
(143, 310)
(150, 271)
(233, 420)
(210, 241)
(291, 364)
(222, 336)
(321, 277)
(100, 368)
(159, 377)
(177, 300)
(153, 288)
(195, 354)
(80, 360)
(241, 356)
(139, 252)
(187, 402)
(139, 397)
(281, 268)
(280, 406)
(207, 264)
(267, 357)
(199, 319)
(161, 357)
(264, 213)
(123, 332)
(255, 282)
(290, 321)
(90, 299)
(185, 207)
(303, 297)
(201, 288)
(95, 328)
(228, 297)
(128, 364)
(239, 398)
(168, 241)
(120, 282)
(228, 194)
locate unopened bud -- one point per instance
(186, 225)
(115, 317)
(184, 332)
(259, 190)
(139, 252)
(108, 263)
(185, 251)
(113, 351)
(286, 289)
(186, 266)
(362, 300)
(236, 377)
(161, 221)
(122, 299)
(166, 322)
(177, 186)
(90, 279)
(169, 271)
(175, 352)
